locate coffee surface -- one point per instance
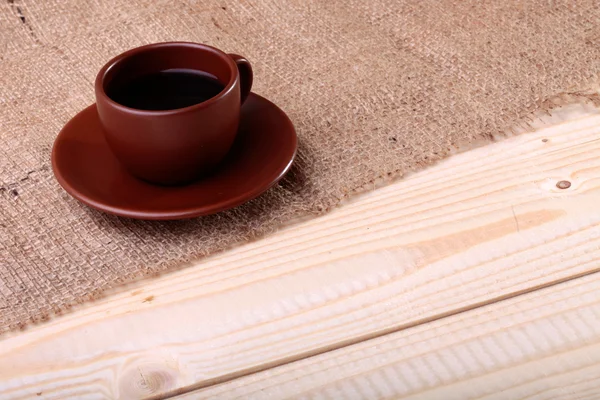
(166, 90)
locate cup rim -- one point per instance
(101, 93)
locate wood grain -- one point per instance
(479, 227)
(541, 345)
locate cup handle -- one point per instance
(246, 75)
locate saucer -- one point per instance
(261, 155)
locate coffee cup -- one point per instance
(170, 111)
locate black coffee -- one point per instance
(166, 90)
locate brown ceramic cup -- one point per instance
(175, 146)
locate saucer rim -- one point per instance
(180, 213)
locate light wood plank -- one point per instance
(541, 345)
(480, 226)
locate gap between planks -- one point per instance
(481, 226)
(540, 345)
(238, 375)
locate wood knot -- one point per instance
(563, 184)
(147, 379)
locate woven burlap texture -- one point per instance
(375, 88)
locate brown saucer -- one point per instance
(261, 155)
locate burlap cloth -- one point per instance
(375, 88)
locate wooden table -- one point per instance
(476, 278)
